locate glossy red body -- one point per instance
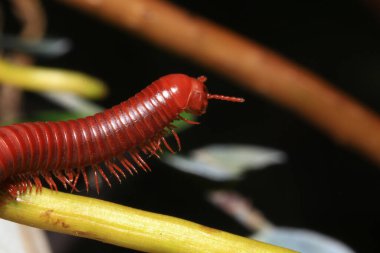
(67, 149)
(41, 148)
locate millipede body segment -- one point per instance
(112, 140)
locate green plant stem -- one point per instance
(124, 226)
(49, 79)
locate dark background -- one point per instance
(323, 186)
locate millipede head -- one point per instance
(199, 96)
(191, 94)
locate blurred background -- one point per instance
(322, 186)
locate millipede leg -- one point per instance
(96, 179)
(152, 152)
(188, 121)
(49, 180)
(137, 161)
(167, 145)
(118, 169)
(110, 167)
(70, 180)
(104, 176)
(176, 139)
(29, 183)
(77, 172)
(128, 165)
(84, 174)
(145, 165)
(37, 183)
(61, 178)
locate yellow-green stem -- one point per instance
(124, 226)
(49, 79)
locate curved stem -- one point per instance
(249, 63)
(49, 79)
(124, 226)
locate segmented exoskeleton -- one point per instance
(66, 150)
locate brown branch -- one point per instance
(32, 17)
(373, 6)
(250, 64)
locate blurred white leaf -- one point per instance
(46, 47)
(73, 102)
(302, 240)
(16, 238)
(222, 162)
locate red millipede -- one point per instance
(66, 150)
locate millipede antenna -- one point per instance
(225, 98)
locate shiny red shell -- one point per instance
(66, 150)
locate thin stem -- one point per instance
(50, 79)
(124, 226)
(249, 63)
